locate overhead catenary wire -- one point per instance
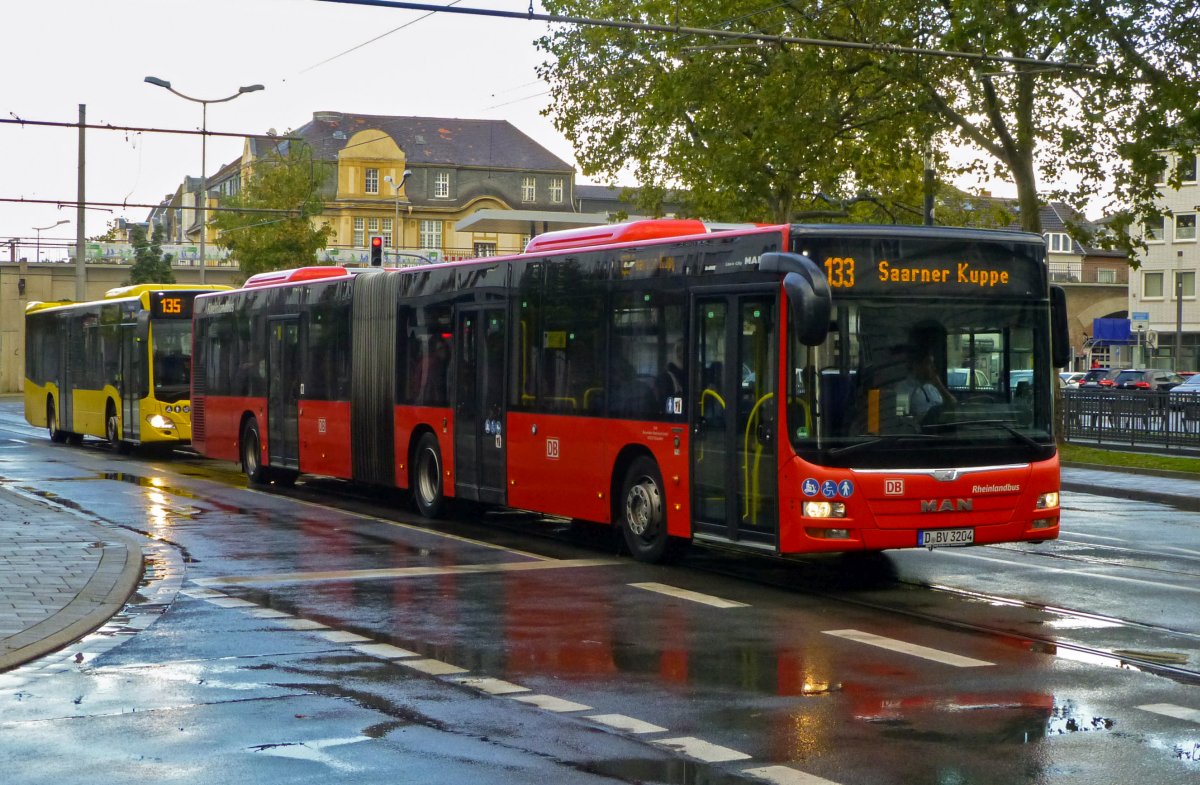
(676, 29)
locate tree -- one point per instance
(150, 264)
(287, 178)
(768, 128)
(747, 132)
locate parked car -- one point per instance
(1098, 377)
(1071, 378)
(1146, 379)
(1186, 397)
(960, 378)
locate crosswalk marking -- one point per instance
(785, 775)
(686, 594)
(912, 649)
(1171, 710)
(628, 724)
(702, 750)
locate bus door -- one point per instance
(134, 348)
(283, 392)
(479, 422)
(734, 418)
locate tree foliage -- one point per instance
(150, 264)
(287, 178)
(781, 131)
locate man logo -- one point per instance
(947, 505)
(893, 487)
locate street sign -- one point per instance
(1141, 316)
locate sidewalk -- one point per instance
(62, 577)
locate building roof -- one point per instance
(495, 144)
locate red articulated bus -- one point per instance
(787, 389)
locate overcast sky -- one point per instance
(62, 53)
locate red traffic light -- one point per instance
(377, 242)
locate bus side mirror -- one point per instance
(807, 292)
(1060, 337)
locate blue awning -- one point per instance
(1111, 332)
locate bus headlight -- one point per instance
(824, 510)
(160, 422)
(1047, 501)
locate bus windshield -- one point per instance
(924, 384)
(172, 360)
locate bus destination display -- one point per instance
(976, 269)
(171, 305)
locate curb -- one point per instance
(105, 593)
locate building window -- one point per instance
(441, 185)
(431, 234)
(556, 190)
(387, 232)
(528, 189)
(525, 240)
(485, 249)
(1185, 284)
(1057, 242)
(360, 240)
(372, 185)
(372, 226)
(1187, 169)
(1185, 226)
(1106, 275)
(1156, 229)
(1152, 286)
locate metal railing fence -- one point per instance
(1149, 419)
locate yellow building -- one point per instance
(409, 180)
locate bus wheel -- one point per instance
(643, 514)
(112, 431)
(252, 453)
(426, 480)
(56, 436)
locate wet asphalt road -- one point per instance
(324, 635)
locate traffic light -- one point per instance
(376, 251)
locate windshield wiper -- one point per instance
(891, 437)
(1002, 424)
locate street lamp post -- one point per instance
(37, 256)
(396, 186)
(204, 102)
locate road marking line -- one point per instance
(404, 572)
(490, 685)
(433, 667)
(230, 602)
(1171, 710)
(200, 594)
(385, 650)
(341, 636)
(701, 750)
(913, 649)
(685, 594)
(628, 724)
(550, 703)
(784, 775)
(303, 624)
(268, 613)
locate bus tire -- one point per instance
(57, 435)
(643, 513)
(251, 449)
(426, 480)
(112, 430)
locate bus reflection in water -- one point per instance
(745, 387)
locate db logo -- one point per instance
(552, 449)
(893, 487)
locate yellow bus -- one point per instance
(118, 369)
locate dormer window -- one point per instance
(372, 181)
(1058, 242)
